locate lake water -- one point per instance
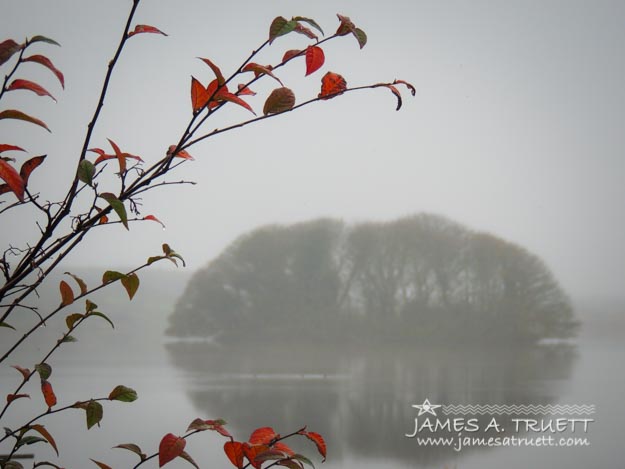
(359, 399)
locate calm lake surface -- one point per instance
(359, 399)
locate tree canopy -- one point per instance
(421, 277)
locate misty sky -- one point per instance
(517, 127)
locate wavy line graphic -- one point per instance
(519, 409)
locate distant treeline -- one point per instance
(422, 278)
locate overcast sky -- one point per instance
(517, 128)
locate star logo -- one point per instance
(426, 408)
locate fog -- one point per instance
(516, 128)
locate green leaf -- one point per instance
(131, 284)
(90, 306)
(40, 38)
(279, 27)
(12, 465)
(19, 115)
(134, 448)
(123, 394)
(44, 370)
(69, 339)
(29, 440)
(111, 276)
(103, 316)
(86, 171)
(4, 324)
(360, 36)
(72, 318)
(311, 22)
(118, 206)
(302, 458)
(94, 413)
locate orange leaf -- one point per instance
(234, 451)
(289, 54)
(318, 440)
(67, 294)
(145, 28)
(12, 397)
(43, 60)
(170, 448)
(332, 84)
(220, 78)
(263, 436)
(7, 49)
(101, 465)
(48, 393)
(199, 95)
(29, 166)
(260, 70)
(20, 84)
(315, 58)
(6, 147)
(153, 218)
(13, 179)
(280, 100)
(180, 153)
(15, 114)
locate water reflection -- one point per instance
(360, 398)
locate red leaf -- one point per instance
(20, 84)
(332, 84)
(346, 26)
(48, 393)
(13, 179)
(263, 436)
(227, 96)
(12, 397)
(199, 95)
(220, 78)
(171, 447)
(315, 59)
(46, 434)
(244, 90)
(153, 218)
(222, 431)
(412, 89)
(252, 451)
(260, 70)
(67, 295)
(318, 440)
(284, 448)
(6, 147)
(280, 100)
(29, 166)
(7, 49)
(145, 28)
(43, 60)
(24, 371)
(234, 451)
(289, 54)
(305, 31)
(15, 114)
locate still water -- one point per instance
(360, 399)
